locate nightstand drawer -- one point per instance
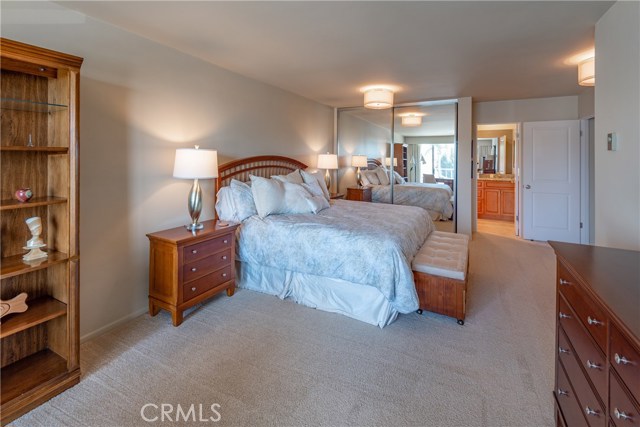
(203, 284)
(591, 316)
(204, 266)
(206, 248)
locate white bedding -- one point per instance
(362, 244)
(435, 198)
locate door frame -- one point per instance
(585, 220)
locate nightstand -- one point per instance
(362, 194)
(187, 268)
(336, 195)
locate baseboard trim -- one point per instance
(112, 325)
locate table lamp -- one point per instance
(194, 163)
(358, 161)
(327, 161)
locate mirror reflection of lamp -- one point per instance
(359, 161)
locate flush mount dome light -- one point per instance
(411, 119)
(378, 98)
(587, 72)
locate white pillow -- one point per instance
(243, 200)
(225, 208)
(316, 177)
(398, 178)
(372, 177)
(274, 196)
(382, 175)
(364, 179)
(318, 200)
(294, 177)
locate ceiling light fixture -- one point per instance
(378, 98)
(587, 72)
(411, 119)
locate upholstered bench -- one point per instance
(440, 273)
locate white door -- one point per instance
(551, 181)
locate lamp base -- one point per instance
(194, 227)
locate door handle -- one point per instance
(527, 186)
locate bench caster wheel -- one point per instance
(460, 322)
(419, 311)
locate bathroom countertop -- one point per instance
(501, 179)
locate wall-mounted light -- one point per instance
(587, 72)
(411, 119)
(378, 98)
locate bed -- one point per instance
(352, 258)
(437, 198)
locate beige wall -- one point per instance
(586, 103)
(526, 110)
(617, 108)
(139, 102)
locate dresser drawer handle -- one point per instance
(193, 269)
(225, 241)
(621, 415)
(561, 392)
(563, 350)
(193, 289)
(592, 365)
(224, 257)
(621, 360)
(592, 412)
(194, 251)
(224, 274)
(564, 282)
(594, 322)
(563, 316)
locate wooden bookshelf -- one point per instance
(39, 349)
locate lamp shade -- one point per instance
(587, 72)
(358, 161)
(387, 161)
(193, 163)
(327, 161)
(411, 120)
(378, 98)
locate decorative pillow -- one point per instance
(318, 200)
(383, 175)
(243, 200)
(225, 207)
(372, 177)
(316, 177)
(364, 179)
(398, 178)
(274, 196)
(268, 195)
(294, 177)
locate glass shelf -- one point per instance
(27, 105)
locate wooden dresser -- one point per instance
(187, 268)
(597, 336)
(359, 194)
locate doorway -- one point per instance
(496, 163)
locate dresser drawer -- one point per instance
(203, 284)
(206, 248)
(591, 316)
(586, 352)
(204, 266)
(623, 410)
(566, 400)
(625, 359)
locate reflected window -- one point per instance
(437, 160)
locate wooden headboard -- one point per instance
(264, 166)
(373, 163)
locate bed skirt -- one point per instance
(360, 302)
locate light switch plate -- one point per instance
(612, 142)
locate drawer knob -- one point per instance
(562, 392)
(592, 412)
(193, 269)
(224, 274)
(194, 251)
(621, 415)
(563, 316)
(621, 360)
(592, 365)
(563, 350)
(224, 257)
(193, 289)
(594, 322)
(225, 241)
(564, 282)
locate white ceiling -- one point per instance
(326, 51)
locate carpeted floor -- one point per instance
(272, 362)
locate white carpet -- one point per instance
(273, 362)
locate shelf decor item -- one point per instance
(35, 243)
(194, 163)
(24, 194)
(16, 304)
